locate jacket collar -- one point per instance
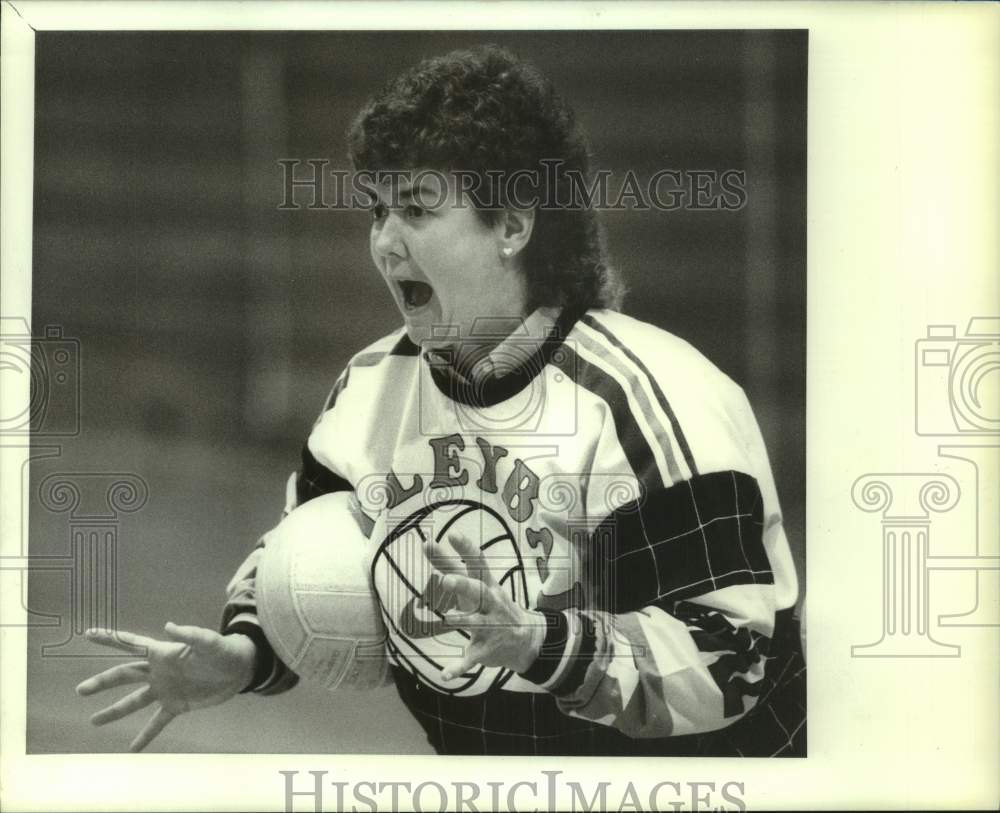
(502, 359)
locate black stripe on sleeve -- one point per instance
(580, 663)
(654, 385)
(697, 536)
(553, 648)
(593, 378)
(266, 658)
(314, 479)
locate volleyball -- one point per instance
(402, 573)
(315, 600)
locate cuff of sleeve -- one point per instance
(567, 650)
(265, 662)
(552, 651)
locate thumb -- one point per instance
(195, 637)
(469, 659)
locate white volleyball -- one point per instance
(314, 595)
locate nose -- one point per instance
(387, 241)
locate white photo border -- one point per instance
(902, 205)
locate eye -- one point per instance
(379, 211)
(413, 212)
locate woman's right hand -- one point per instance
(198, 668)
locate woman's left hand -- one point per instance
(503, 633)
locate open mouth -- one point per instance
(415, 294)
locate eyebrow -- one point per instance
(408, 194)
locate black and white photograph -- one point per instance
(529, 306)
(428, 389)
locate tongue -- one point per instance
(419, 294)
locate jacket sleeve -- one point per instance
(674, 636)
(239, 614)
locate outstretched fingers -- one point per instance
(469, 595)
(121, 675)
(149, 732)
(138, 699)
(120, 639)
(193, 636)
(476, 564)
(440, 560)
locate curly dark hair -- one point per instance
(484, 109)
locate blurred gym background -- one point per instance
(210, 325)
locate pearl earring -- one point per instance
(507, 251)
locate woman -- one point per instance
(650, 609)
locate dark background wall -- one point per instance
(211, 324)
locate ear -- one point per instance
(514, 231)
